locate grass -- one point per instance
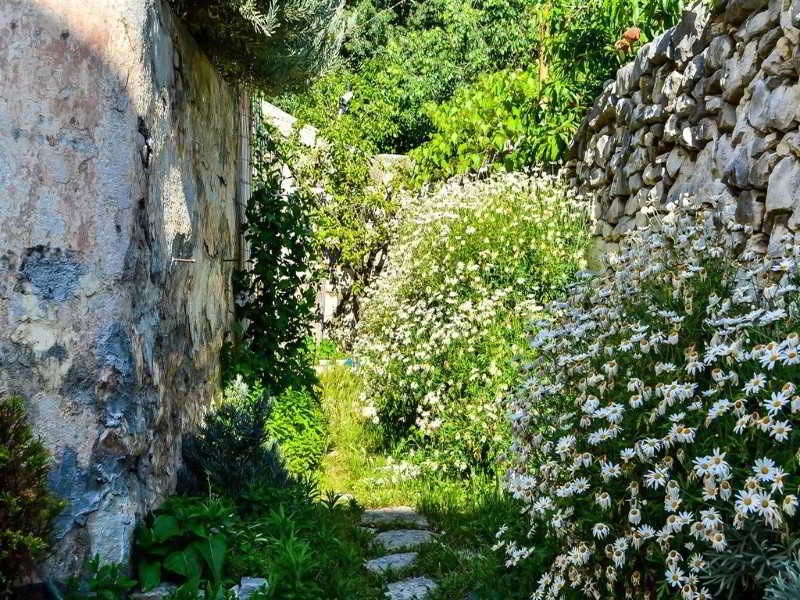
(466, 512)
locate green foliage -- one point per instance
(26, 504)
(401, 59)
(308, 549)
(275, 45)
(353, 216)
(103, 582)
(275, 297)
(185, 541)
(510, 119)
(327, 350)
(413, 67)
(444, 328)
(750, 564)
(662, 403)
(786, 585)
(232, 450)
(296, 423)
(467, 512)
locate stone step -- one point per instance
(401, 539)
(414, 588)
(391, 562)
(404, 516)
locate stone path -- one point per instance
(411, 531)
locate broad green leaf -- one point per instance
(212, 550)
(149, 575)
(165, 527)
(184, 562)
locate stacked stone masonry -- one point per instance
(708, 110)
(120, 156)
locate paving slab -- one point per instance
(415, 588)
(399, 539)
(396, 516)
(391, 562)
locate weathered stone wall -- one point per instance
(709, 109)
(119, 153)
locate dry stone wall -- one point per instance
(120, 156)
(709, 110)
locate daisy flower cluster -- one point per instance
(661, 412)
(442, 326)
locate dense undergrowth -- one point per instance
(656, 439)
(648, 454)
(443, 330)
(461, 86)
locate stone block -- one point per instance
(248, 586)
(653, 173)
(762, 168)
(417, 588)
(713, 104)
(789, 145)
(635, 183)
(719, 51)
(677, 157)
(660, 49)
(400, 539)
(779, 60)
(625, 80)
(767, 42)
(790, 20)
(755, 25)
(750, 209)
(685, 106)
(783, 189)
(779, 240)
(739, 71)
(624, 110)
(736, 11)
(688, 35)
(391, 562)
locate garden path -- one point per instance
(399, 530)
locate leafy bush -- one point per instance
(786, 585)
(232, 450)
(402, 58)
(296, 423)
(509, 119)
(352, 214)
(661, 417)
(275, 297)
(103, 582)
(751, 561)
(26, 503)
(306, 548)
(327, 350)
(276, 45)
(442, 328)
(185, 541)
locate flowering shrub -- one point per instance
(660, 420)
(442, 326)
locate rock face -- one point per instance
(708, 112)
(120, 177)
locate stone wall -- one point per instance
(120, 153)
(709, 109)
